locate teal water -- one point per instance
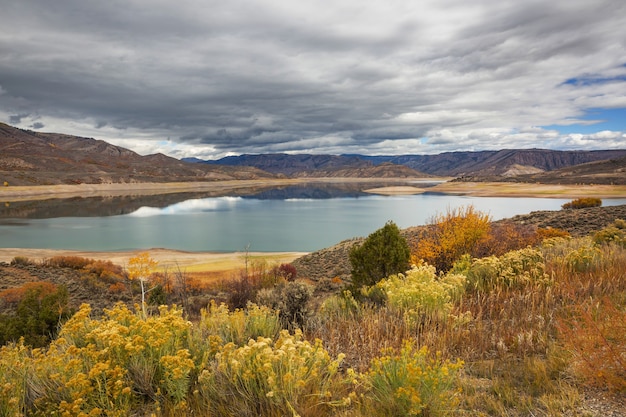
(259, 224)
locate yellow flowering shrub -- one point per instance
(411, 382)
(240, 325)
(419, 292)
(339, 305)
(14, 363)
(108, 365)
(290, 376)
(514, 269)
(575, 255)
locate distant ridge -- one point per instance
(508, 162)
(316, 166)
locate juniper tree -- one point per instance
(385, 252)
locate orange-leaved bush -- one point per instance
(451, 235)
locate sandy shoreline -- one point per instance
(168, 259)
(480, 189)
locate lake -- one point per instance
(302, 219)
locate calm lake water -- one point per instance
(274, 220)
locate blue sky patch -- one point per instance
(608, 119)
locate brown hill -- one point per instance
(611, 171)
(384, 170)
(33, 158)
(541, 159)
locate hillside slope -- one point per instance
(611, 171)
(33, 158)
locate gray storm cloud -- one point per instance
(352, 76)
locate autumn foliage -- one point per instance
(580, 203)
(15, 295)
(467, 231)
(595, 331)
(450, 235)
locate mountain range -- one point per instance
(534, 165)
(35, 158)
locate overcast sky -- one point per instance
(209, 78)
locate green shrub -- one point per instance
(291, 299)
(384, 252)
(580, 203)
(21, 260)
(342, 305)
(39, 312)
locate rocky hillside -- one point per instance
(33, 158)
(611, 171)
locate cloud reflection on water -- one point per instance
(197, 205)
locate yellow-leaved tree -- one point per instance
(140, 268)
(451, 235)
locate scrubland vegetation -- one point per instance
(503, 321)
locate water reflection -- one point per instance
(147, 205)
(198, 205)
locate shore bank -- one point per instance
(221, 188)
(168, 259)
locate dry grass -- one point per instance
(523, 345)
(501, 189)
